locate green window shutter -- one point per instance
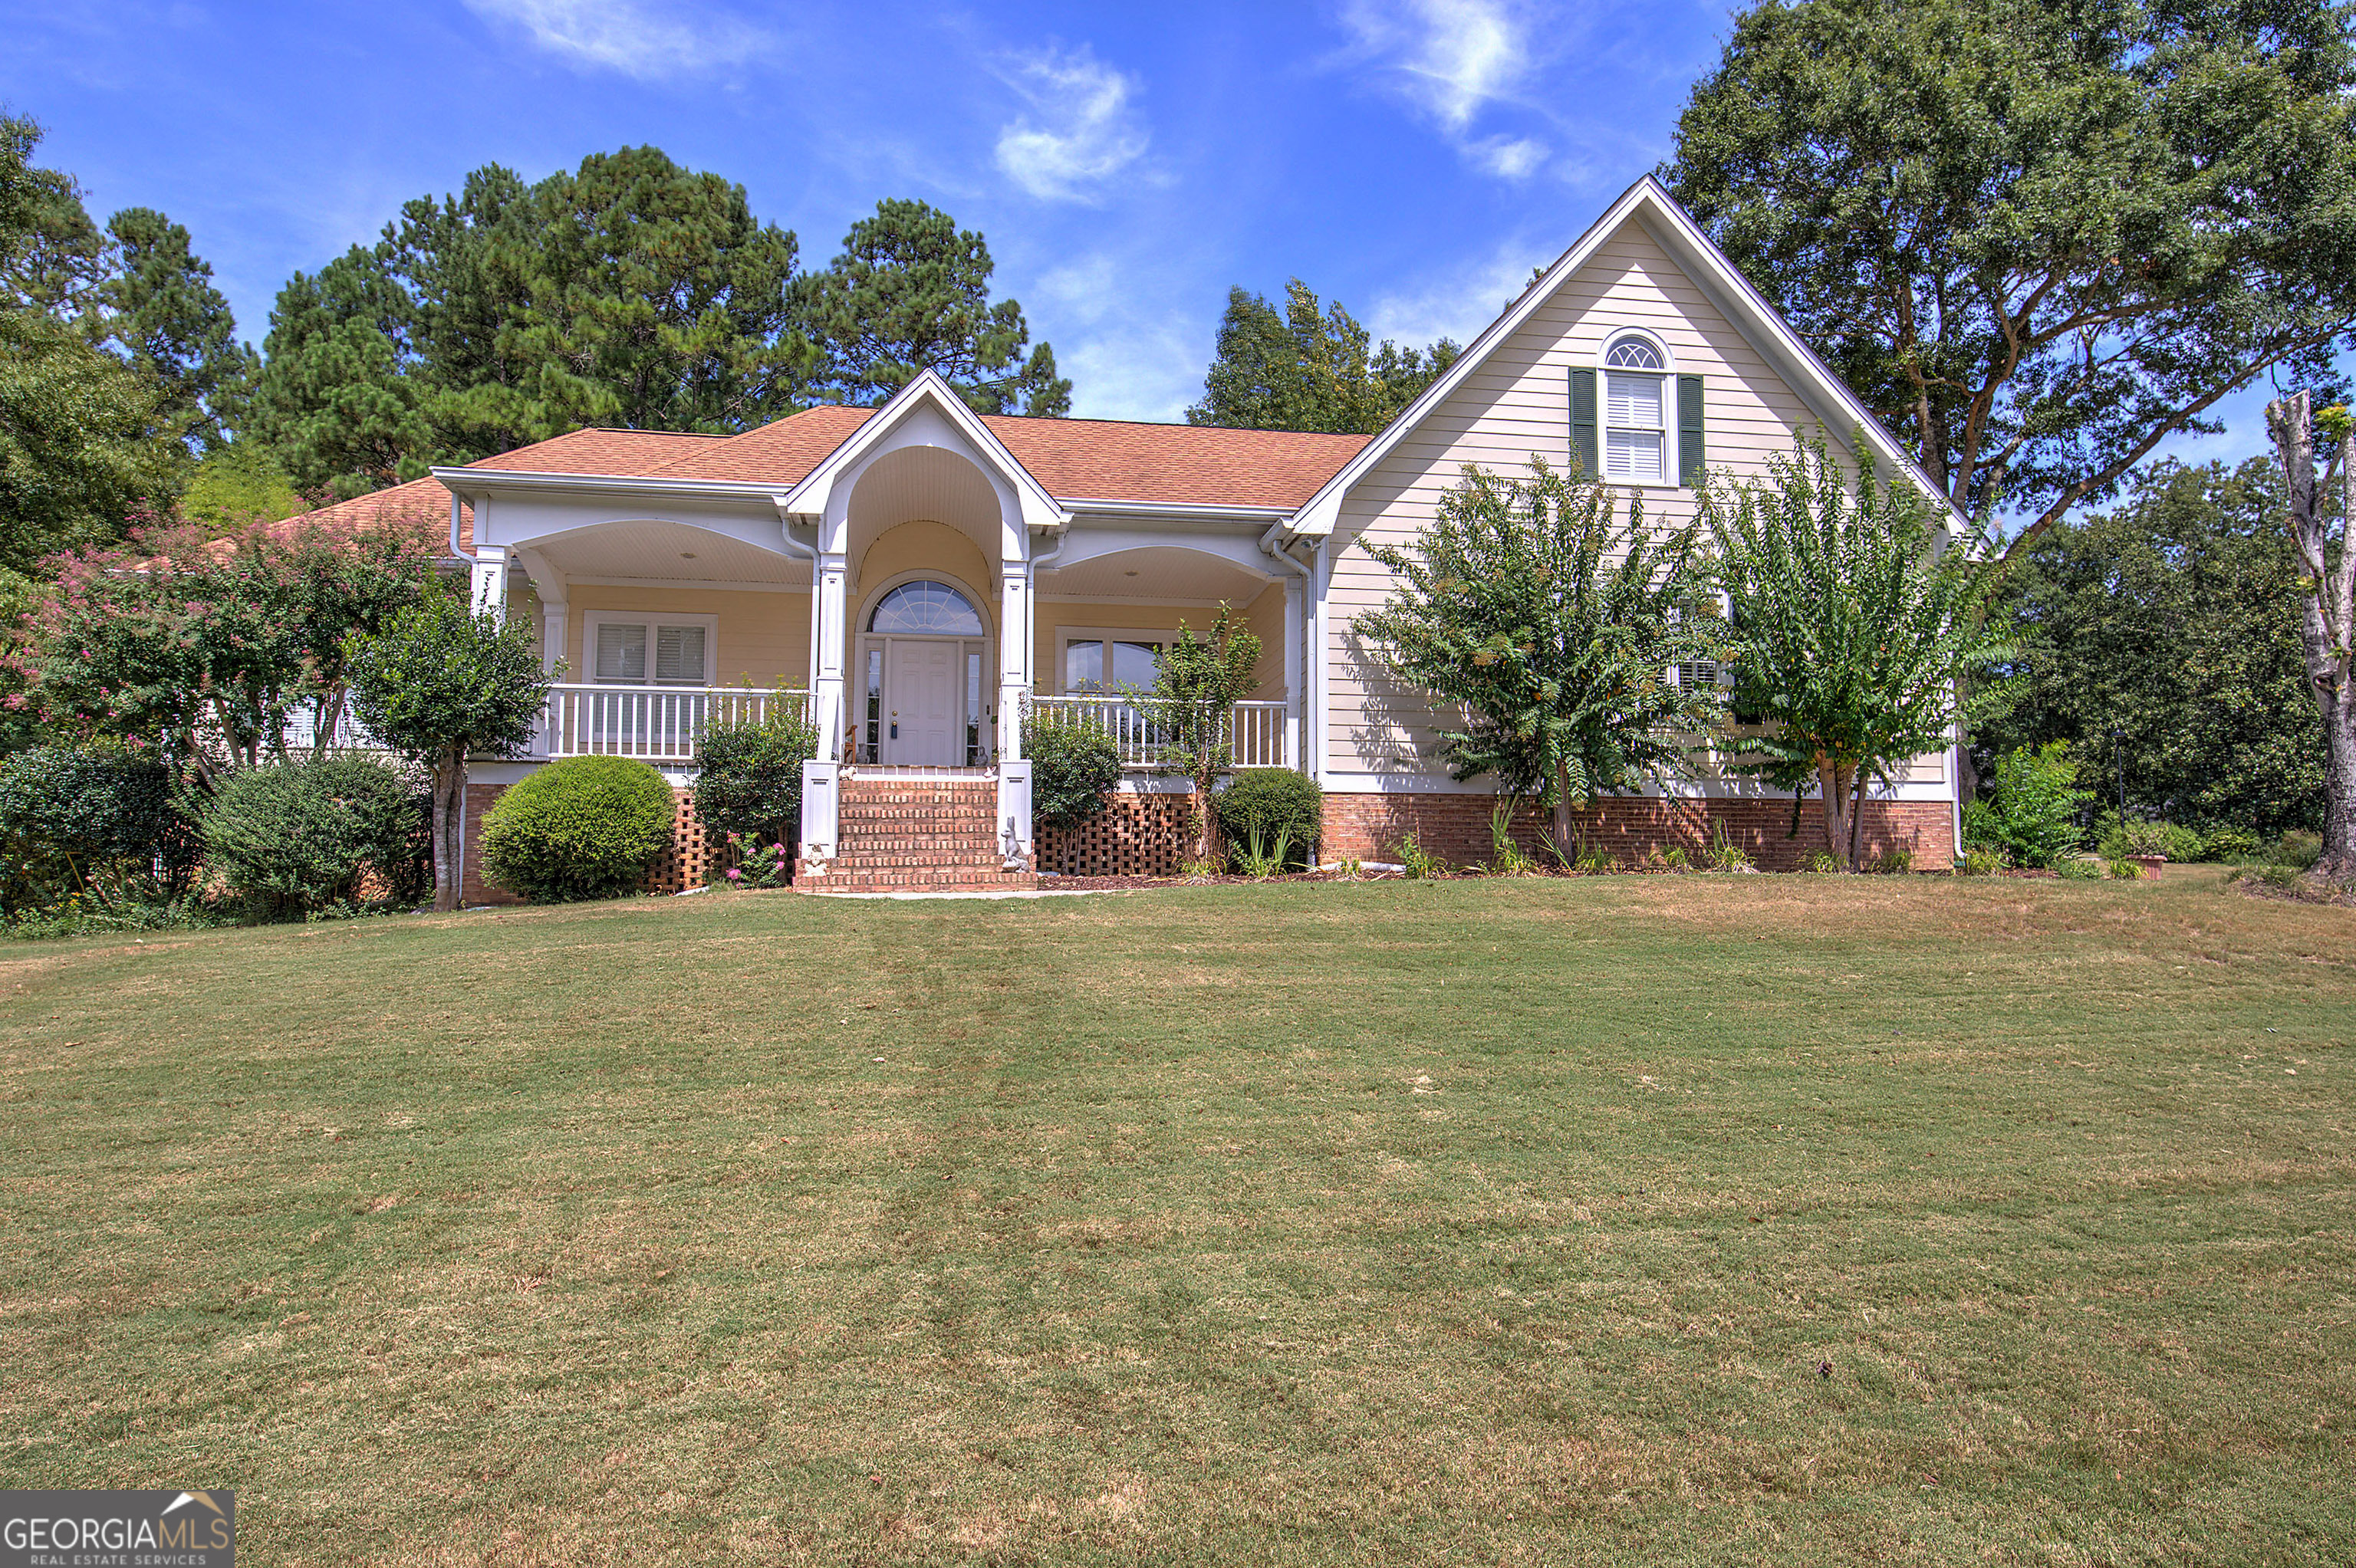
(1693, 454)
(1582, 424)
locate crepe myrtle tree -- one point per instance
(1196, 685)
(1854, 621)
(2326, 561)
(442, 683)
(1553, 627)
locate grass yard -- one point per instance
(1694, 1220)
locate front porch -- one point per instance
(915, 598)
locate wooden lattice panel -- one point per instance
(687, 861)
(1134, 836)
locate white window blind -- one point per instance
(622, 654)
(1636, 447)
(679, 655)
(1634, 457)
(622, 647)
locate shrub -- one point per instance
(758, 866)
(2034, 814)
(2162, 838)
(1824, 863)
(2125, 870)
(749, 781)
(2298, 850)
(292, 839)
(1072, 767)
(1895, 863)
(1271, 802)
(2229, 843)
(1979, 860)
(587, 827)
(2080, 869)
(103, 824)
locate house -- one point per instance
(920, 576)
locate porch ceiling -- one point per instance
(924, 483)
(666, 551)
(1155, 574)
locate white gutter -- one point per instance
(1106, 506)
(486, 481)
(455, 506)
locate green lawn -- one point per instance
(1778, 1220)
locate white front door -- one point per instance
(923, 720)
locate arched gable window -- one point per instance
(1635, 414)
(928, 609)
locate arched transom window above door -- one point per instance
(926, 608)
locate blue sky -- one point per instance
(1413, 158)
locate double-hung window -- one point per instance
(651, 653)
(640, 657)
(1635, 414)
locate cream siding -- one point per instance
(1517, 405)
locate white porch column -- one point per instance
(1013, 660)
(489, 581)
(1296, 607)
(828, 613)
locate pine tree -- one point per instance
(911, 292)
(1309, 368)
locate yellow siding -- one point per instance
(1264, 613)
(762, 638)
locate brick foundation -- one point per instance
(1456, 828)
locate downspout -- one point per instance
(455, 506)
(1310, 754)
(807, 552)
(1031, 601)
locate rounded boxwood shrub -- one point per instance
(289, 838)
(1272, 803)
(587, 827)
(1072, 767)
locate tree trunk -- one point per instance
(1562, 811)
(1833, 789)
(1856, 821)
(449, 827)
(1207, 829)
(2327, 617)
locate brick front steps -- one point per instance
(917, 835)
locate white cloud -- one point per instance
(1514, 157)
(1459, 302)
(1081, 129)
(1452, 59)
(1127, 360)
(638, 39)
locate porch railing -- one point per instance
(1255, 729)
(659, 723)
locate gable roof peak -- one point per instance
(1649, 203)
